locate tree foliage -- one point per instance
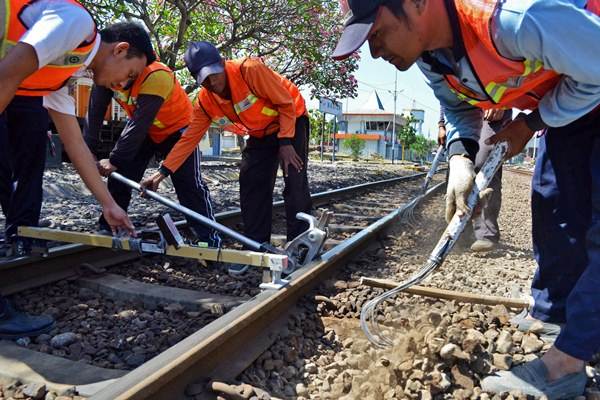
(294, 37)
(406, 133)
(355, 145)
(422, 146)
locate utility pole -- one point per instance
(394, 117)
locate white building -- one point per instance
(373, 124)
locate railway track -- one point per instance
(520, 171)
(226, 346)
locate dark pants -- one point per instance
(566, 234)
(23, 140)
(260, 161)
(485, 224)
(191, 190)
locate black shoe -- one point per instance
(14, 324)
(21, 247)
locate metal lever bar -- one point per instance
(434, 166)
(252, 244)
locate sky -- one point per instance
(412, 87)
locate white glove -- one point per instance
(460, 182)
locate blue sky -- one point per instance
(379, 75)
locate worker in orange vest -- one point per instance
(159, 110)
(528, 54)
(42, 45)
(247, 98)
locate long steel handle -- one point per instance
(252, 244)
(434, 166)
(458, 223)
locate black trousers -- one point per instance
(23, 140)
(191, 190)
(260, 161)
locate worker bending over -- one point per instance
(528, 54)
(42, 45)
(159, 110)
(247, 98)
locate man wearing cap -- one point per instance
(159, 110)
(42, 45)
(247, 98)
(526, 54)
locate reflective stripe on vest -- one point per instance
(248, 113)
(72, 59)
(245, 104)
(221, 122)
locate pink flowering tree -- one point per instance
(294, 37)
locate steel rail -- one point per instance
(63, 261)
(224, 348)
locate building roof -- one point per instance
(373, 106)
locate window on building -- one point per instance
(376, 125)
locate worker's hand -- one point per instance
(460, 182)
(105, 167)
(516, 134)
(442, 136)
(152, 182)
(117, 219)
(493, 115)
(288, 156)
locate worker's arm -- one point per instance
(82, 159)
(155, 90)
(133, 135)
(266, 84)
(184, 147)
(20, 62)
(55, 28)
(543, 32)
(100, 99)
(564, 37)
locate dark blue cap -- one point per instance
(360, 16)
(203, 59)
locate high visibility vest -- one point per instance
(51, 77)
(175, 113)
(250, 115)
(507, 83)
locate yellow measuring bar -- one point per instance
(275, 262)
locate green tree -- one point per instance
(422, 146)
(355, 145)
(294, 37)
(407, 134)
(316, 125)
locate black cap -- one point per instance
(360, 16)
(203, 59)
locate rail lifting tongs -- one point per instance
(168, 241)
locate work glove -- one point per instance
(460, 181)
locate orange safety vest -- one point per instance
(507, 83)
(251, 115)
(175, 113)
(51, 77)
